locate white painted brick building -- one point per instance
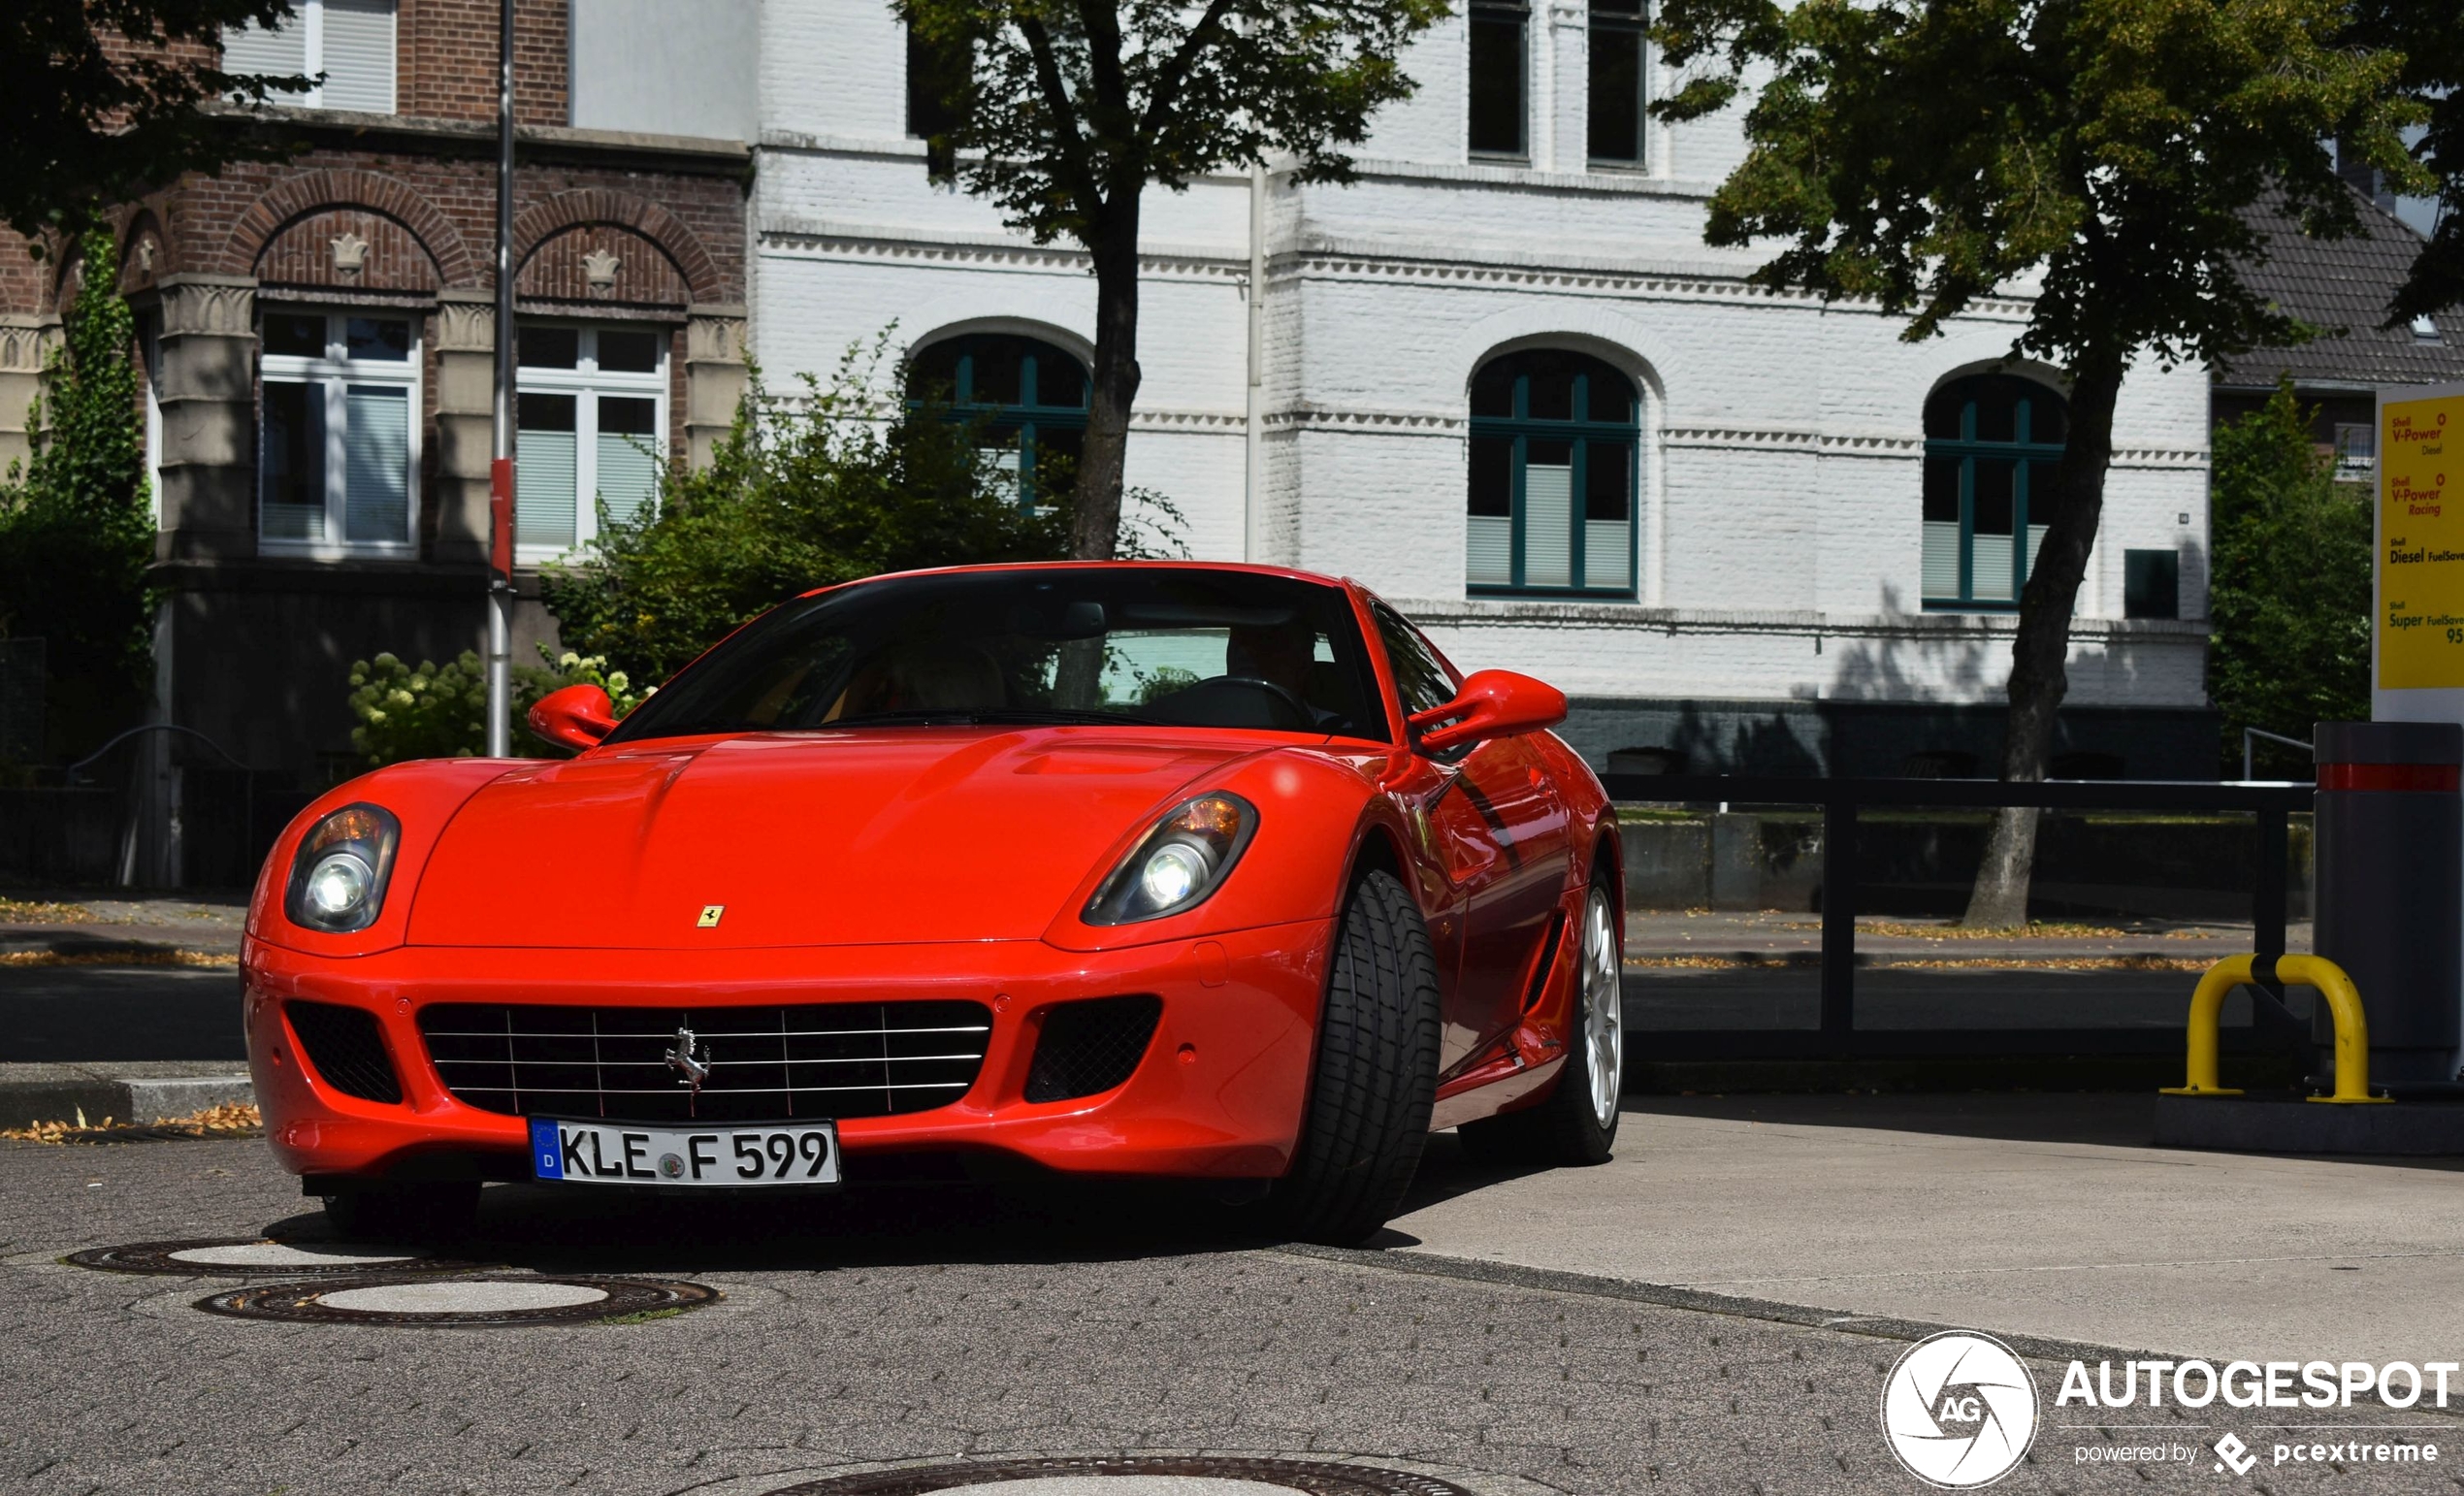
(1762, 591)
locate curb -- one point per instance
(131, 1092)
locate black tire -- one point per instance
(1376, 1076)
(1564, 1128)
(421, 1215)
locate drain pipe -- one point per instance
(1253, 495)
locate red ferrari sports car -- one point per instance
(1146, 868)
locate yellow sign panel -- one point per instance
(2420, 543)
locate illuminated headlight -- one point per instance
(1179, 864)
(338, 876)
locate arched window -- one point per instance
(1031, 395)
(1990, 442)
(1555, 448)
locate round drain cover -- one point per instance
(252, 1256)
(1133, 1476)
(490, 1300)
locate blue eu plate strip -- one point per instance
(545, 1162)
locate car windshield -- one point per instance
(1165, 645)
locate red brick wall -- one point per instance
(449, 60)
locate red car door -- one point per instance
(1496, 831)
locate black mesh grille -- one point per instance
(1091, 1046)
(766, 1063)
(347, 1050)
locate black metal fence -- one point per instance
(1837, 894)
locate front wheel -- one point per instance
(1577, 1122)
(1376, 1076)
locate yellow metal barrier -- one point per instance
(2352, 1029)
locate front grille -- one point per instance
(346, 1048)
(1091, 1046)
(766, 1063)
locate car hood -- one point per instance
(826, 838)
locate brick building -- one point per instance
(319, 337)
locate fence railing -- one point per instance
(1838, 1034)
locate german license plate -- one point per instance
(615, 1153)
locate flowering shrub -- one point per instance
(441, 711)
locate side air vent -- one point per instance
(1091, 1046)
(347, 1050)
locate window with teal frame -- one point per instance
(1556, 449)
(1991, 442)
(1030, 395)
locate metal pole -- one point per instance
(500, 470)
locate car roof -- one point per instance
(1289, 574)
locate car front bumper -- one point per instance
(1217, 1094)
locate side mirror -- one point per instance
(1493, 703)
(576, 717)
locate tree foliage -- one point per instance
(2096, 154)
(831, 487)
(2289, 593)
(2427, 33)
(103, 99)
(76, 531)
(1072, 108)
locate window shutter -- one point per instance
(376, 463)
(1549, 524)
(627, 473)
(546, 483)
(1942, 558)
(359, 56)
(280, 52)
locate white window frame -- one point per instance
(309, 15)
(336, 373)
(585, 382)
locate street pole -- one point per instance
(500, 470)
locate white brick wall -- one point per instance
(1783, 439)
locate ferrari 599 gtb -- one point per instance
(1167, 870)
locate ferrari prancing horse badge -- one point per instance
(710, 916)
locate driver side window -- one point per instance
(1421, 680)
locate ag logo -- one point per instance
(1959, 1410)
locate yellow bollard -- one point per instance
(2207, 1005)
(2352, 1029)
(2344, 1003)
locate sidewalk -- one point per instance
(2031, 1215)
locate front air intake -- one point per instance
(347, 1050)
(1091, 1046)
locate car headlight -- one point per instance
(1179, 864)
(338, 876)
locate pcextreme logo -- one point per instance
(1959, 1410)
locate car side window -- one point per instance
(1421, 680)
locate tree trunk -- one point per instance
(2038, 651)
(1095, 519)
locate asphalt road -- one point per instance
(94, 1014)
(910, 1321)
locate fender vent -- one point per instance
(1091, 1046)
(347, 1050)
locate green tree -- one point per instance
(826, 489)
(102, 99)
(2289, 592)
(1073, 108)
(2429, 35)
(1920, 154)
(76, 531)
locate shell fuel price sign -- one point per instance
(2419, 633)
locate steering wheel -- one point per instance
(1298, 718)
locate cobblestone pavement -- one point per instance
(925, 1320)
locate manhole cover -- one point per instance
(489, 1300)
(1133, 1476)
(245, 1256)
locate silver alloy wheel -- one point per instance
(1604, 1011)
